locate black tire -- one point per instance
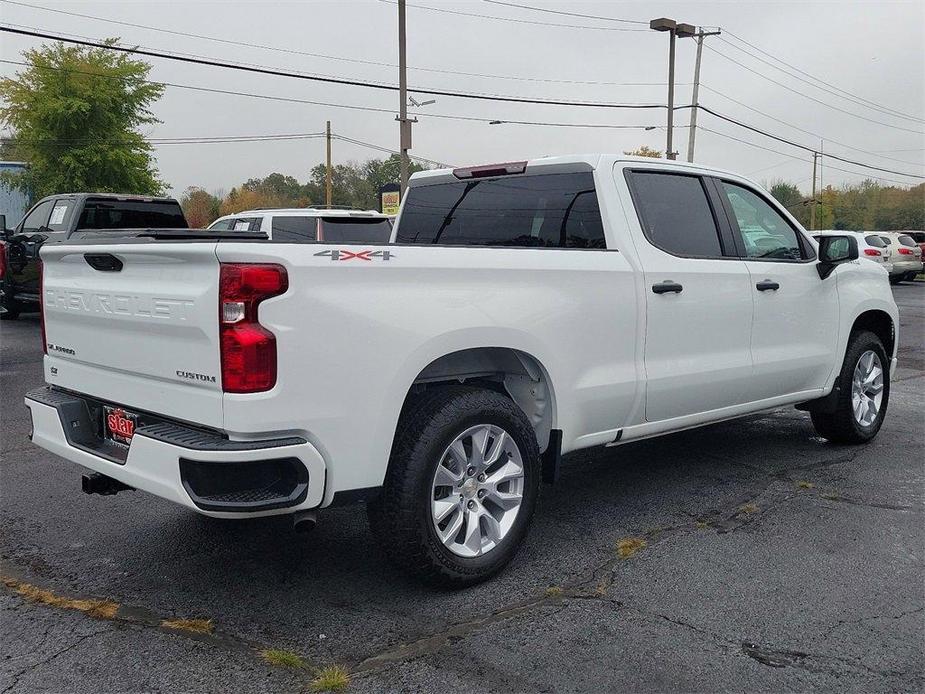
(400, 518)
(896, 280)
(840, 425)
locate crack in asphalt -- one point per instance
(44, 661)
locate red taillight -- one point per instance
(871, 251)
(42, 304)
(248, 349)
(2, 260)
(905, 251)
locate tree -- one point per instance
(645, 151)
(74, 114)
(200, 208)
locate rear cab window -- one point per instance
(108, 213)
(300, 229)
(354, 230)
(557, 210)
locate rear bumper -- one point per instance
(901, 267)
(199, 470)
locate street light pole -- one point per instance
(674, 30)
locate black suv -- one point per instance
(55, 218)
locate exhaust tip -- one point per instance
(95, 483)
(304, 522)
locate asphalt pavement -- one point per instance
(755, 556)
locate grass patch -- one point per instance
(101, 609)
(629, 546)
(193, 626)
(702, 524)
(831, 496)
(748, 509)
(333, 678)
(554, 592)
(803, 484)
(282, 658)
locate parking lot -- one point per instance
(754, 556)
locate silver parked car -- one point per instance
(907, 256)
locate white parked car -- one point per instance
(871, 246)
(523, 311)
(907, 255)
(302, 224)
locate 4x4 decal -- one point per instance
(340, 254)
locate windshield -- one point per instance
(355, 230)
(104, 213)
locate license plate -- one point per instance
(119, 424)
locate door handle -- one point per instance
(666, 287)
(766, 285)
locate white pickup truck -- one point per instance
(522, 311)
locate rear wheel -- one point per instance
(461, 487)
(864, 392)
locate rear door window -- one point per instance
(103, 213)
(61, 215)
(675, 213)
(539, 211)
(354, 230)
(294, 229)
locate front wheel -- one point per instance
(864, 392)
(461, 487)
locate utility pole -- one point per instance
(695, 100)
(328, 173)
(674, 30)
(812, 202)
(403, 120)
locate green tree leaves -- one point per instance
(75, 114)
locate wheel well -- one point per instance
(881, 325)
(512, 373)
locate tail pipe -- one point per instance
(95, 483)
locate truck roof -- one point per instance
(110, 196)
(309, 212)
(565, 164)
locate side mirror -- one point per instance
(3, 229)
(833, 251)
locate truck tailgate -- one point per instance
(136, 324)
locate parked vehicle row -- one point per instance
(519, 312)
(55, 218)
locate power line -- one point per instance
(318, 78)
(390, 151)
(838, 93)
(803, 130)
(803, 147)
(290, 51)
(569, 14)
(776, 151)
(817, 79)
(807, 96)
(510, 19)
(259, 70)
(373, 109)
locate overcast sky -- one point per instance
(870, 54)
